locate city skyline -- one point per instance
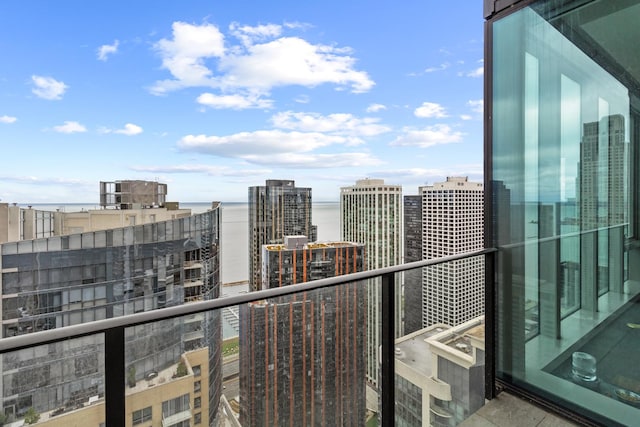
(174, 95)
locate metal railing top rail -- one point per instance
(20, 342)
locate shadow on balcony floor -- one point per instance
(612, 349)
(507, 410)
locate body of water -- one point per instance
(234, 224)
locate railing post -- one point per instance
(114, 387)
(490, 325)
(387, 374)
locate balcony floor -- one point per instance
(507, 410)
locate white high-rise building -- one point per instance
(371, 213)
(453, 292)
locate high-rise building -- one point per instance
(276, 209)
(302, 359)
(101, 271)
(453, 292)
(298, 261)
(371, 213)
(412, 279)
(601, 196)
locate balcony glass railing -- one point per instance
(296, 354)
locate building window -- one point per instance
(197, 402)
(174, 406)
(141, 416)
(196, 371)
(196, 386)
(197, 418)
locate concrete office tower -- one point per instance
(371, 213)
(453, 292)
(440, 374)
(169, 258)
(302, 359)
(603, 196)
(276, 209)
(412, 279)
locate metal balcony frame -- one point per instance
(114, 330)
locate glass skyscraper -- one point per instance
(69, 279)
(276, 210)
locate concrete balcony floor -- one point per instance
(507, 410)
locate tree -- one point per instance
(131, 376)
(181, 370)
(31, 416)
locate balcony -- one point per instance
(331, 312)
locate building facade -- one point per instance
(67, 279)
(276, 209)
(452, 292)
(170, 398)
(302, 359)
(371, 213)
(412, 279)
(562, 135)
(130, 194)
(440, 374)
(299, 261)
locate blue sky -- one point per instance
(212, 97)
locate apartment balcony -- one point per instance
(301, 359)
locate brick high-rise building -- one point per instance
(302, 359)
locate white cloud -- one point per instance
(235, 101)
(292, 61)
(429, 110)
(428, 137)
(34, 180)
(207, 169)
(440, 67)
(297, 25)
(302, 99)
(107, 49)
(473, 171)
(48, 87)
(476, 105)
(129, 129)
(465, 117)
(374, 108)
(478, 72)
(185, 53)
(256, 65)
(8, 119)
(315, 161)
(244, 145)
(70, 127)
(249, 35)
(339, 123)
